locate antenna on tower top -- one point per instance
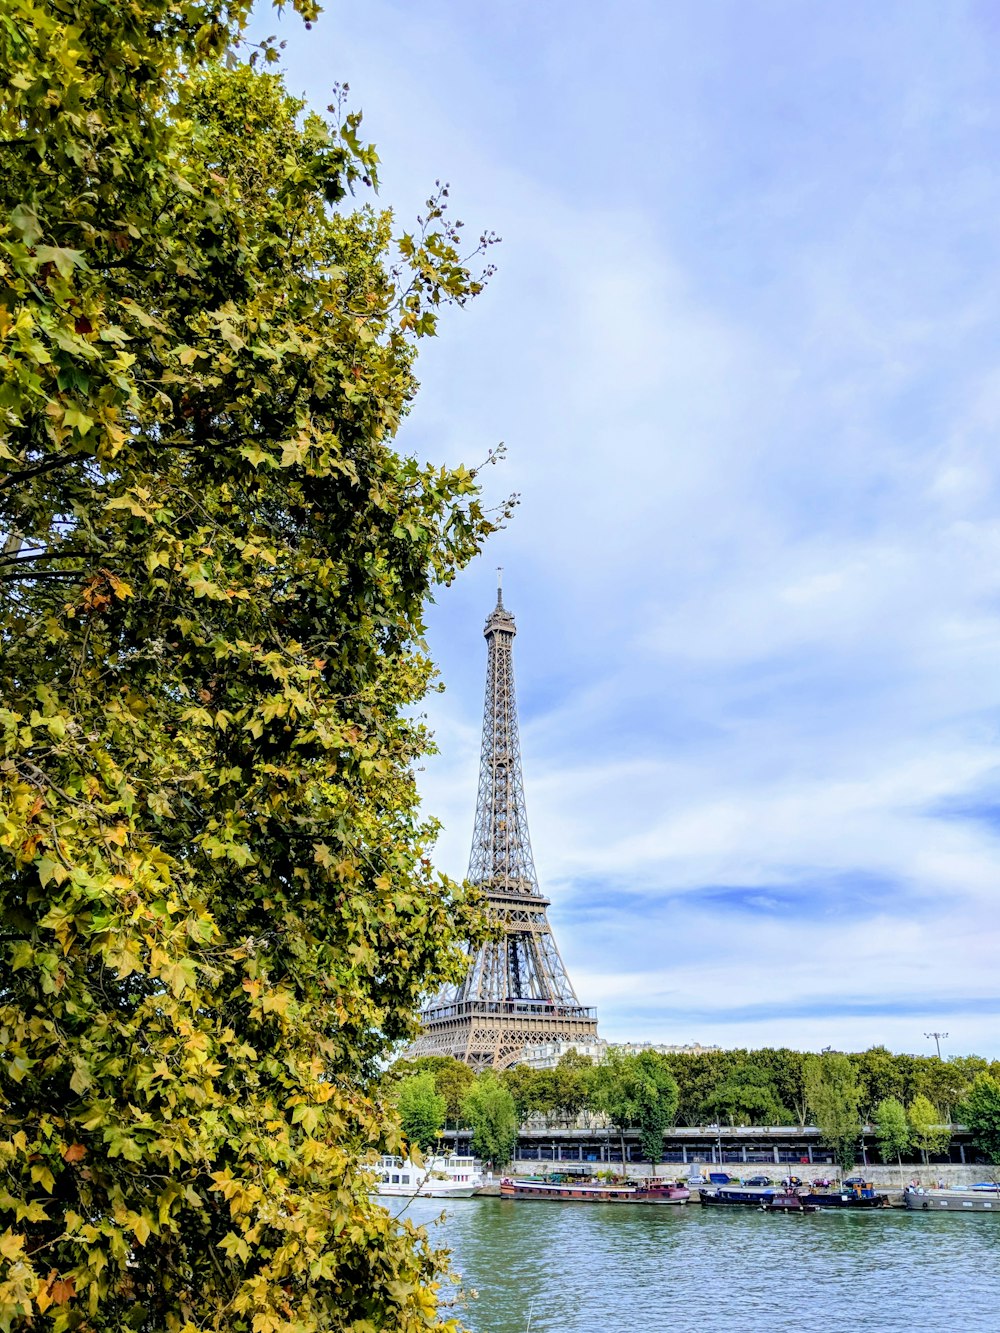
(499, 585)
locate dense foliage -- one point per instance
(488, 1110)
(217, 908)
(981, 1112)
(892, 1129)
(833, 1095)
(637, 1091)
(421, 1109)
(926, 1130)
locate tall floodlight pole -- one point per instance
(517, 991)
(937, 1036)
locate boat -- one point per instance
(852, 1194)
(950, 1201)
(787, 1201)
(451, 1177)
(650, 1190)
(767, 1200)
(747, 1196)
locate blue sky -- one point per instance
(743, 350)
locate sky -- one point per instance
(742, 349)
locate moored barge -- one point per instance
(592, 1191)
(951, 1201)
(848, 1196)
(766, 1200)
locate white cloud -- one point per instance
(744, 361)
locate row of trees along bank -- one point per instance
(908, 1101)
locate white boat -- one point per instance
(450, 1177)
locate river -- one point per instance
(620, 1268)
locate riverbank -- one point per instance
(950, 1174)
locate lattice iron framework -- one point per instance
(517, 991)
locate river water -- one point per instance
(621, 1268)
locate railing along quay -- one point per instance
(702, 1144)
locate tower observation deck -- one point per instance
(517, 991)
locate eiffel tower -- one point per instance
(516, 992)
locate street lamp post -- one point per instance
(936, 1036)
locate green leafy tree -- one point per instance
(783, 1069)
(217, 907)
(747, 1097)
(879, 1078)
(572, 1082)
(637, 1091)
(832, 1094)
(657, 1102)
(697, 1077)
(452, 1078)
(488, 1108)
(981, 1114)
(928, 1132)
(892, 1130)
(526, 1088)
(943, 1082)
(421, 1109)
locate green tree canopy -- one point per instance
(526, 1088)
(637, 1091)
(421, 1109)
(944, 1082)
(488, 1108)
(981, 1114)
(572, 1083)
(218, 907)
(832, 1094)
(747, 1097)
(879, 1078)
(892, 1130)
(928, 1130)
(452, 1078)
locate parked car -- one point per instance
(759, 1181)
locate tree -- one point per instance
(892, 1131)
(637, 1091)
(524, 1086)
(421, 1109)
(657, 1102)
(832, 1094)
(488, 1108)
(747, 1098)
(452, 1078)
(217, 907)
(879, 1079)
(944, 1082)
(928, 1133)
(981, 1114)
(697, 1076)
(572, 1083)
(783, 1068)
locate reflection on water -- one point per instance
(626, 1269)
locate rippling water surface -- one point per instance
(639, 1269)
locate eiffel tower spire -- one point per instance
(517, 991)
